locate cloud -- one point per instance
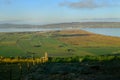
(88, 4)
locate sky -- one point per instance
(58, 11)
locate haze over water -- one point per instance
(103, 31)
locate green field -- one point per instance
(57, 43)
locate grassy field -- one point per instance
(57, 43)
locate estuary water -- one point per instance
(104, 31)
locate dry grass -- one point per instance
(88, 40)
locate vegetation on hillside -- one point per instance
(67, 68)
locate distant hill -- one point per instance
(67, 25)
(16, 26)
(86, 25)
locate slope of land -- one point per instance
(67, 56)
(57, 43)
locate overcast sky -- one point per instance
(58, 11)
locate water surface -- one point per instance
(104, 31)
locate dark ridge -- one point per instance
(71, 35)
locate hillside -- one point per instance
(72, 55)
(57, 43)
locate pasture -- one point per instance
(64, 43)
